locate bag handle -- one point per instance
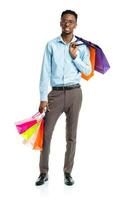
(88, 43)
(38, 116)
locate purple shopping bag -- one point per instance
(101, 63)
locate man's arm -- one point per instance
(45, 78)
(84, 64)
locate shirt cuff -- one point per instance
(43, 97)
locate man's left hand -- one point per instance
(73, 50)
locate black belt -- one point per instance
(67, 87)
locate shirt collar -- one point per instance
(61, 40)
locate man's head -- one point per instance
(68, 21)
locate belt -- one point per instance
(67, 87)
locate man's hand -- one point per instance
(42, 106)
(73, 50)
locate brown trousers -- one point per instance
(69, 102)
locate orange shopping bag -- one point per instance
(92, 59)
(38, 144)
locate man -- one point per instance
(62, 64)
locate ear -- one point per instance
(75, 26)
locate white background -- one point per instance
(25, 27)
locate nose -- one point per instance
(67, 24)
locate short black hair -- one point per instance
(70, 12)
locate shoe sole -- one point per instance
(69, 184)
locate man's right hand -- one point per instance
(42, 106)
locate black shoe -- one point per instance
(68, 180)
(41, 179)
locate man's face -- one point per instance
(68, 23)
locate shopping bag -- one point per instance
(36, 140)
(32, 130)
(101, 62)
(31, 140)
(92, 60)
(22, 126)
(29, 132)
(38, 144)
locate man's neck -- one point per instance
(67, 37)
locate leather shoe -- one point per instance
(68, 180)
(41, 179)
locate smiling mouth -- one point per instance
(66, 29)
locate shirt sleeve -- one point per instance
(45, 73)
(82, 61)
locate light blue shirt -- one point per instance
(59, 68)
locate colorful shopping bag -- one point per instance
(36, 140)
(28, 133)
(32, 130)
(31, 140)
(23, 125)
(101, 63)
(38, 144)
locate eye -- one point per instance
(68, 21)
